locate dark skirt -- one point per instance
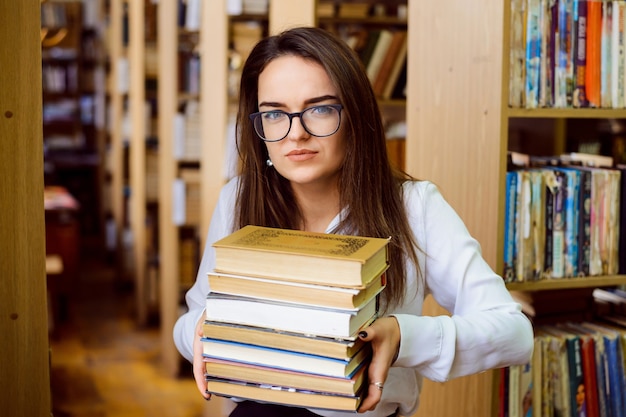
(254, 409)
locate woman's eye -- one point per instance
(272, 116)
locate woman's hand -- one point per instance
(198, 362)
(384, 337)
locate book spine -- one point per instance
(593, 55)
(572, 190)
(533, 54)
(549, 222)
(516, 54)
(605, 54)
(558, 227)
(509, 228)
(576, 376)
(564, 65)
(580, 53)
(584, 238)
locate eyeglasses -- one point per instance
(319, 121)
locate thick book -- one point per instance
(294, 255)
(296, 292)
(280, 377)
(282, 395)
(285, 359)
(287, 316)
(314, 345)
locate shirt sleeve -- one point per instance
(221, 225)
(486, 328)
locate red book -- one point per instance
(592, 74)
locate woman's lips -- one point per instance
(301, 155)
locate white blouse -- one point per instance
(486, 329)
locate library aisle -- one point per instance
(104, 365)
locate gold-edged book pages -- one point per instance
(294, 255)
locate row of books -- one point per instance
(284, 312)
(567, 53)
(563, 220)
(577, 370)
(384, 55)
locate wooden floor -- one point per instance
(104, 365)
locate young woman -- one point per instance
(313, 157)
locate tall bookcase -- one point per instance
(126, 153)
(461, 98)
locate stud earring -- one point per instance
(269, 162)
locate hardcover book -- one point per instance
(280, 377)
(294, 255)
(283, 395)
(296, 292)
(315, 345)
(288, 316)
(285, 359)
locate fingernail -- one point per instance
(362, 334)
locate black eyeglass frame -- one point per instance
(337, 106)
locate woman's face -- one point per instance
(292, 84)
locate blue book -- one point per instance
(571, 210)
(533, 53)
(284, 359)
(509, 227)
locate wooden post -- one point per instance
(25, 364)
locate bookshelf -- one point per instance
(73, 105)
(128, 132)
(457, 99)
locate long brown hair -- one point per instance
(370, 188)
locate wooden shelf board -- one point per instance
(565, 283)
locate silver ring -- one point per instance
(378, 385)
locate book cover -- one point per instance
(613, 221)
(294, 255)
(296, 292)
(315, 345)
(282, 395)
(523, 227)
(395, 75)
(551, 184)
(601, 368)
(584, 219)
(280, 377)
(622, 221)
(287, 316)
(285, 359)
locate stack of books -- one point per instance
(284, 312)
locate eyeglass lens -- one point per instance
(317, 120)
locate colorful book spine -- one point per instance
(584, 219)
(558, 227)
(564, 86)
(509, 228)
(550, 180)
(571, 211)
(594, 32)
(533, 53)
(579, 98)
(605, 55)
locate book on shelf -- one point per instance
(556, 372)
(225, 369)
(294, 255)
(331, 347)
(375, 61)
(593, 49)
(288, 316)
(283, 395)
(393, 54)
(285, 359)
(296, 292)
